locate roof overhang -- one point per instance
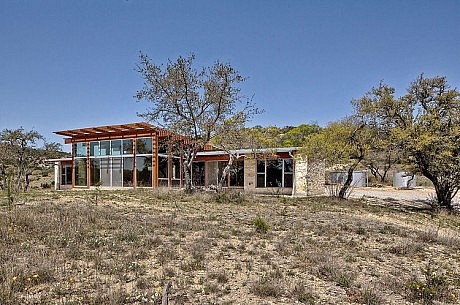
(111, 132)
(249, 151)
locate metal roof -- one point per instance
(249, 151)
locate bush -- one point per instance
(434, 287)
(260, 225)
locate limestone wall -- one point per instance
(309, 177)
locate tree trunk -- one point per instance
(190, 154)
(346, 185)
(225, 171)
(444, 195)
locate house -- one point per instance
(140, 155)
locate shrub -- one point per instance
(260, 225)
(434, 287)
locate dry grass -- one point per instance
(59, 248)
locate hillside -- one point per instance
(60, 247)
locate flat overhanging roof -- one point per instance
(249, 151)
(111, 131)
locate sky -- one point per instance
(72, 64)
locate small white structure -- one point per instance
(404, 180)
(359, 178)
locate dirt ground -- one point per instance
(124, 247)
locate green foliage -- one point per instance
(434, 287)
(192, 102)
(297, 136)
(425, 125)
(260, 225)
(344, 142)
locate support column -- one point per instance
(170, 165)
(73, 165)
(154, 160)
(57, 175)
(88, 165)
(134, 164)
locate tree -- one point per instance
(425, 123)
(297, 136)
(343, 142)
(385, 152)
(18, 156)
(190, 102)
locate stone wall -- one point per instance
(309, 177)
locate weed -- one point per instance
(260, 225)
(371, 296)
(302, 295)
(266, 286)
(434, 286)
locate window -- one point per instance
(144, 146)
(128, 147)
(144, 171)
(198, 173)
(105, 148)
(128, 167)
(117, 172)
(80, 149)
(80, 172)
(116, 147)
(164, 170)
(235, 175)
(95, 170)
(94, 149)
(66, 175)
(275, 173)
(105, 171)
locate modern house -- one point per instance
(140, 155)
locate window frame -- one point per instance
(284, 172)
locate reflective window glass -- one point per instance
(128, 172)
(144, 171)
(94, 149)
(80, 172)
(95, 170)
(128, 147)
(80, 150)
(116, 147)
(104, 148)
(117, 172)
(144, 146)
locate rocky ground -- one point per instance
(124, 247)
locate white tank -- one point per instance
(404, 180)
(359, 178)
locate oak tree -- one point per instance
(425, 124)
(189, 101)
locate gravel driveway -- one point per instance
(417, 198)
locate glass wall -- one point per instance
(66, 175)
(215, 169)
(198, 173)
(95, 172)
(80, 172)
(163, 177)
(275, 173)
(105, 170)
(112, 162)
(144, 171)
(117, 172)
(128, 167)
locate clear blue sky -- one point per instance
(71, 64)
